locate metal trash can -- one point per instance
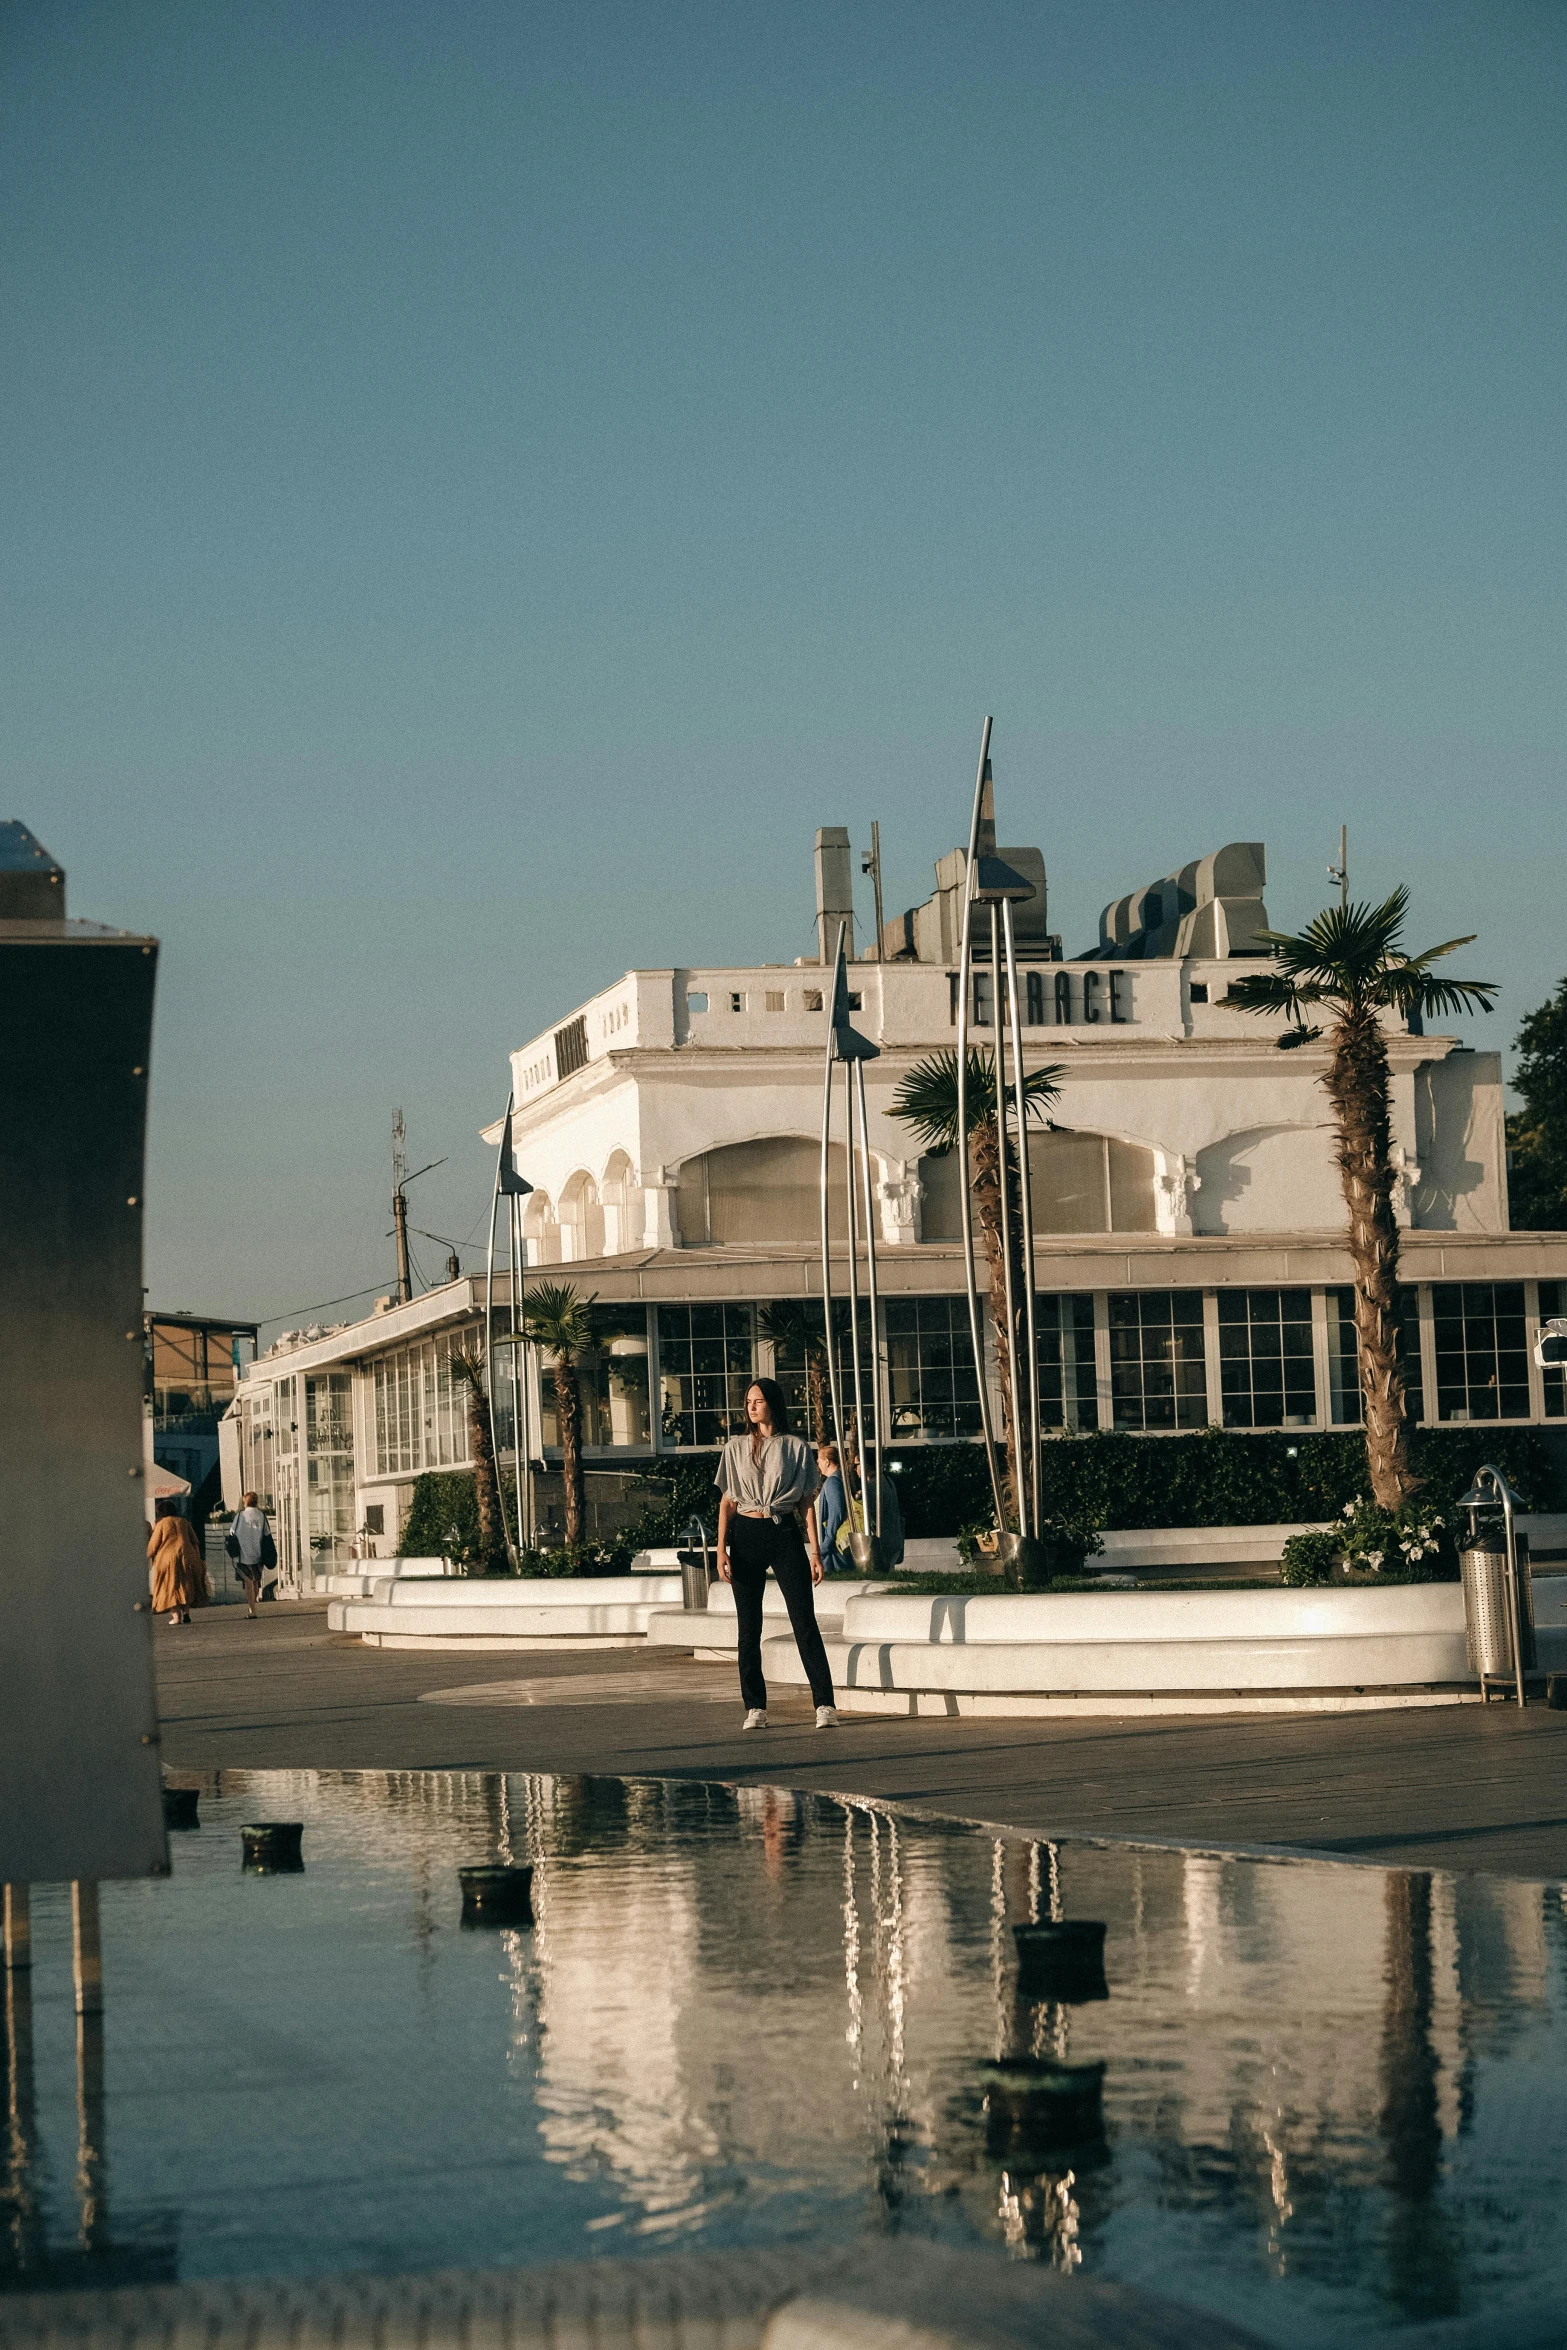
(1498, 1588)
(1488, 1623)
(696, 1568)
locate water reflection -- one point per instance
(1333, 2095)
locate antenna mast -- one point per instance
(1340, 871)
(870, 862)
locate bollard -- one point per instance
(1062, 1959)
(495, 1895)
(1556, 1692)
(272, 1847)
(180, 1807)
(1040, 2101)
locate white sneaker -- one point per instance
(827, 1717)
(756, 1719)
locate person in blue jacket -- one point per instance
(831, 1508)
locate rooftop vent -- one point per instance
(32, 885)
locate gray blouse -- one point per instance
(785, 1476)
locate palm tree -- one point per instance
(561, 1323)
(486, 1487)
(1349, 961)
(927, 1101)
(797, 1328)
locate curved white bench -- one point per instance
(1160, 1652)
(600, 1611)
(714, 1631)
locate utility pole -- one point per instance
(405, 1286)
(400, 1182)
(1340, 871)
(870, 862)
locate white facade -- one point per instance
(1191, 1259)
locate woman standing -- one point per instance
(767, 1478)
(176, 1571)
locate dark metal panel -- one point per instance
(79, 1777)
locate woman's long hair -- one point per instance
(777, 1409)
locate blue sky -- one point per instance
(484, 482)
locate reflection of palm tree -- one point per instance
(1350, 962)
(1421, 2252)
(927, 1101)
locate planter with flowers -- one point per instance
(1371, 1545)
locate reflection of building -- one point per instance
(1191, 1258)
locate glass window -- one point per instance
(1482, 1359)
(762, 1191)
(1068, 1381)
(1266, 1372)
(1091, 1183)
(614, 1378)
(329, 1441)
(1157, 1364)
(705, 1364)
(930, 1369)
(1553, 1304)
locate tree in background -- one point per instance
(1350, 964)
(486, 1486)
(927, 1101)
(1537, 1134)
(560, 1324)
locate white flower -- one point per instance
(1349, 1509)
(1374, 1558)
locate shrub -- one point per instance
(1409, 1545)
(1308, 1559)
(580, 1559)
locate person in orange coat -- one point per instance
(176, 1570)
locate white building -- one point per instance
(1191, 1260)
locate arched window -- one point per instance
(540, 1229)
(761, 1192)
(1082, 1183)
(582, 1218)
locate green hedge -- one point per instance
(1213, 1478)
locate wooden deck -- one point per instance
(1454, 1788)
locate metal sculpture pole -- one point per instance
(845, 1045)
(502, 1155)
(873, 1435)
(1026, 1192)
(515, 1189)
(995, 885)
(965, 989)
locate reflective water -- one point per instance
(1335, 2098)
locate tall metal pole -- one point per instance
(1026, 1186)
(489, 1283)
(999, 1064)
(519, 1379)
(854, 1279)
(965, 984)
(832, 1348)
(872, 1515)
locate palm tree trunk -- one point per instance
(999, 1231)
(486, 1489)
(815, 1365)
(1358, 1086)
(568, 1412)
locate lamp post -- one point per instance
(993, 885)
(848, 1050)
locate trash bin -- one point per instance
(1488, 1623)
(696, 1569)
(1498, 1589)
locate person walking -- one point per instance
(250, 1545)
(831, 1509)
(767, 1480)
(176, 1571)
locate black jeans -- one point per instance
(755, 1544)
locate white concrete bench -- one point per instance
(1160, 1652)
(359, 1580)
(502, 1612)
(714, 1631)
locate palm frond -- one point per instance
(558, 1319)
(927, 1095)
(1350, 957)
